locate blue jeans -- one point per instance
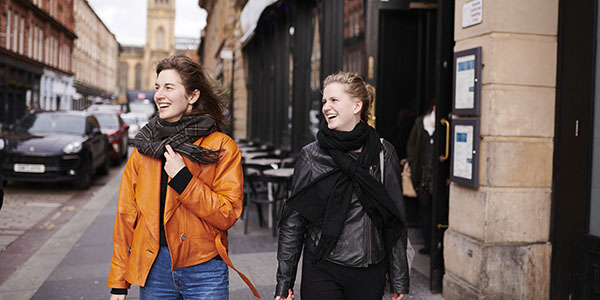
(205, 281)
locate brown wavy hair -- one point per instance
(356, 87)
(194, 77)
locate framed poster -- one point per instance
(466, 96)
(464, 163)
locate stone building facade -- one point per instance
(498, 243)
(224, 59)
(36, 45)
(529, 229)
(95, 58)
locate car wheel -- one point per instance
(84, 180)
(105, 167)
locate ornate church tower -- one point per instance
(160, 37)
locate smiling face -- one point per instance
(341, 111)
(170, 96)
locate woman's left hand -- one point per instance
(174, 162)
(397, 296)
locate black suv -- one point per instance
(54, 146)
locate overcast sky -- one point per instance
(127, 19)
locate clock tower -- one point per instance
(160, 37)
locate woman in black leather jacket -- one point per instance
(350, 222)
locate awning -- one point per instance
(249, 17)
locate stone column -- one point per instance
(498, 243)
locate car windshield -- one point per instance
(146, 108)
(128, 120)
(107, 120)
(52, 123)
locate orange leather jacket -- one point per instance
(196, 221)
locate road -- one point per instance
(56, 244)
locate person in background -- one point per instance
(420, 155)
(346, 212)
(180, 192)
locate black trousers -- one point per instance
(327, 280)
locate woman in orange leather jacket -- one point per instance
(180, 192)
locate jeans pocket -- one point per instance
(208, 280)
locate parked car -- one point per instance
(113, 126)
(54, 146)
(105, 107)
(135, 121)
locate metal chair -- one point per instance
(261, 190)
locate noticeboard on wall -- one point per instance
(466, 96)
(464, 163)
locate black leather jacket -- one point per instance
(360, 242)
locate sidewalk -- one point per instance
(82, 270)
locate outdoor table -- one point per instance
(263, 161)
(250, 155)
(283, 174)
(248, 148)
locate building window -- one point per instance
(46, 46)
(40, 43)
(30, 42)
(138, 76)
(8, 30)
(15, 32)
(55, 52)
(160, 38)
(22, 36)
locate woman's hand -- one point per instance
(289, 297)
(174, 162)
(117, 297)
(395, 297)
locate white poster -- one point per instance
(463, 151)
(465, 82)
(472, 13)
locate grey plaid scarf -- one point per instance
(181, 135)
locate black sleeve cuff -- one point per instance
(118, 291)
(181, 180)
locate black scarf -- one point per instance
(181, 135)
(325, 201)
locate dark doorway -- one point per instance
(406, 55)
(414, 50)
(405, 78)
(576, 185)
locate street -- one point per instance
(55, 243)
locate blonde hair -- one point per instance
(356, 87)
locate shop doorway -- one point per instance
(575, 271)
(414, 55)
